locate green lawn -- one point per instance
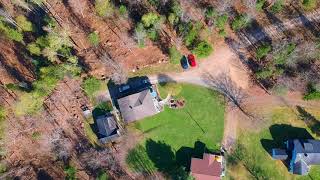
(201, 119)
(255, 162)
(174, 135)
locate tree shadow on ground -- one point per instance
(43, 175)
(281, 133)
(164, 159)
(280, 27)
(312, 122)
(184, 154)
(311, 26)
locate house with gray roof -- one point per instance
(138, 105)
(300, 153)
(108, 130)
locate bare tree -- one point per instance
(7, 17)
(119, 75)
(78, 6)
(227, 87)
(224, 6)
(252, 9)
(60, 145)
(22, 4)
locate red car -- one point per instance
(192, 60)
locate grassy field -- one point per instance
(157, 69)
(176, 134)
(253, 160)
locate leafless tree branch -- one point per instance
(119, 75)
(228, 88)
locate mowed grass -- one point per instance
(202, 119)
(256, 163)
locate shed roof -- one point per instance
(137, 106)
(106, 125)
(207, 168)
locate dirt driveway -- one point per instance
(223, 60)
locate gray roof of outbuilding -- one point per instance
(106, 125)
(137, 106)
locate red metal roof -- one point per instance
(207, 168)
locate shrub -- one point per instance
(222, 33)
(265, 73)
(203, 49)
(154, 3)
(36, 135)
(312, 93)
(73, 59)
(281, 57)
(103, 8)
(10, 33)
(211, 13)
(221, 21)
(192, 33)
(102, 176)
(102, 108)
(176, 8)
(277, 6)
(23, 23)
(3, 113)
(3, 167)
(309, 4)
(70, 172)
(260, 4)
(123, 10)
(150, 19)
(94, 38)
(263, 51)
(173, 19)
(91, 86)
(34, 49)
(239, 22)
(140, 34)
(175, 55)
(153, 34)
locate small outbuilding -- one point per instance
(107, 128)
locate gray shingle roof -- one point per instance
(106, 125)
(137, 106)
(307, 153)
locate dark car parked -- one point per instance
(184, 62)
